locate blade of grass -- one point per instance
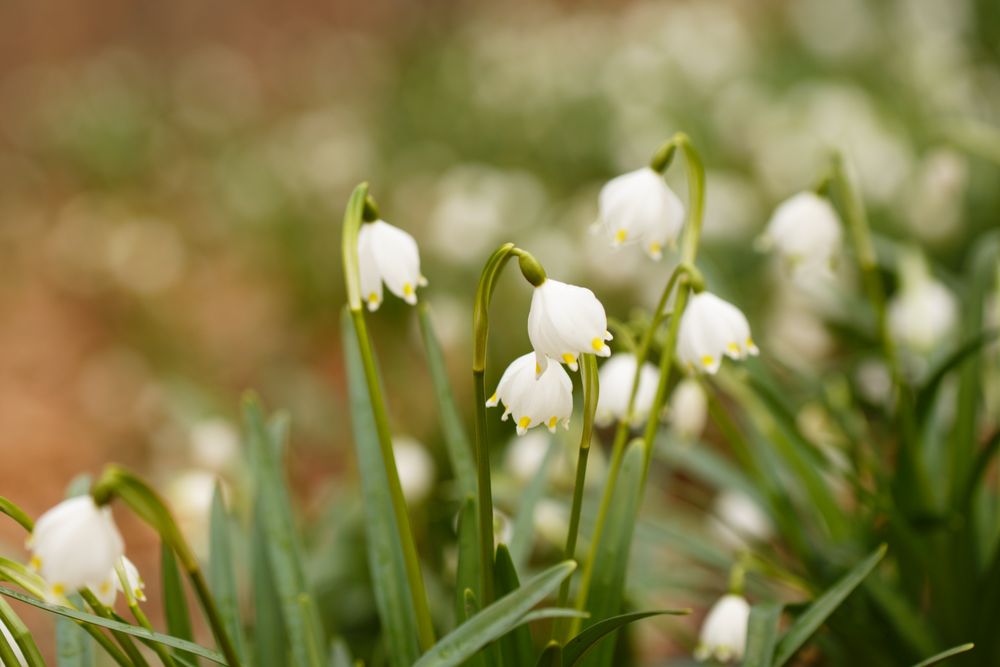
(270, 638)
(516, 647)
(944, 655)
(762, 634)
(577, 647)
(73, 646)
(467, 571)
(221, 572)
(175, 604)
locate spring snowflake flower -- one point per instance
(805, 230)
(616, 378)
(533, 400)
(639, 207)
(564, 322)
(924, 311)
(136, 585)
(688, 409)
(724, 632)
(710, 329)
(75, 545)
(13, 646)
(416, 469)
(390, 255)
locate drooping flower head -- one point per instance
(924, 311)
(710, 329)
(416, 469)
(564, 322)
(390, 255)
(75, 545)
(639, 207)
(616, 377)
(688, 409)
(805, 230)
(724, 633)
(534, 399)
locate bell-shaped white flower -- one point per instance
(688, 409)
(805, 230)
(564, 322)
(9, 637)
(136, 586)
(416, 469)
(738, 520)
(724, 633)
(534, 399)
(639, 207)
(710, 329)
(75, 544)
(390, 255)
(924, 311)
(616, 377)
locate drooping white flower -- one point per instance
(710, 329)
(565, 321)
(75, 545)
(189, 494)
(390, 255)
(924, 311)
(688, 409)
(738, 520)
(805, 230)
(533, 400)
(639, 207)
(724, 632)
(616, 377)
(136, 585)
(13, 645)
(416, 469)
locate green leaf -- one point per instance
(467, 571)
(270, 638)
(580, 645)
(552, 656)
(385, 552)
(278, 529)
(17, 514)
(611, 558)
(523, 533)
(814, 616)
(944, 655)
(762, 634)
(22, 636)
(135, 631)
(456, 439)
(516, 647)
(966, 349)
(340, 655)
(221, 572)
(495, 620)
(73, 646)
(175, 604)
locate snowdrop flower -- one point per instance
(388, 254)
(13, 645)
(533, 400)
(688, 409)
(565, 321)
(639, 207)
(75, 545)
(711, 328)
(805, 230)
(724, 632)
(924, 311)
(616, 378)
(416, 469)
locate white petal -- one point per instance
(398, 260)
(370, 278)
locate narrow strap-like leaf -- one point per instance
(762, 634)
(175, 604)
(944, 655)
(578, 646)
(516, 646)
(222, 573)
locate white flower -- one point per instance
(215, 444)
(388, 254)
(13, 646)
(564, 322)
(617, 376)
(806, 231)
(135, 583)
(924, 311)
(189, 494)
(724, 632)
(639, 207)
(75, 545)
(739, 521)
(711, 328)
(545, 399)
(526, 454)
(416, 469)
(688, 409)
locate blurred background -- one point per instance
(173, 175)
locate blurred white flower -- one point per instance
(525, 455)
(639, 207)
(564, 322)
(805, 230)
(534, 399)
(934, 197)
(924, 311)
(75, 545)
(388, 254)
(215, 444)
(503, 528)
(13, 646)
(710, 329)
(688, 409)
(551, 522)
(616, 378)
(738, 521)
(189, 495)
(724, 632)
(874, 381)
(107, 589)
(416, 469)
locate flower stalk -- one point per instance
(360, 208)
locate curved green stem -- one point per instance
(123, 639)
(161, 651)
(591, 391)
(361, 207)
(22, 637)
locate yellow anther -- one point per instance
(620, 236)
(569, 358)
(524, 422)
(553, 421)
(407, 289)
(597, 344)
(373, 298)
(707, 360)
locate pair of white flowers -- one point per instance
(76, 545)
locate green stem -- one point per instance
(359, 207)
(22, 637)
(123, 639)
(161, 651)
(591, 391)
